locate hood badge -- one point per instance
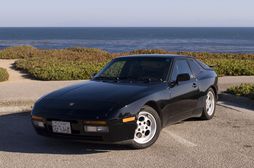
(71, 104)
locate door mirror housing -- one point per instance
(93, 75)
(182, 77)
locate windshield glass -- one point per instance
(136, 69)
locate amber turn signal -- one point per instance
(129, 119)
(37, 118)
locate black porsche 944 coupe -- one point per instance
(130, 100)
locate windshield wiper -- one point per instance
(106, 78)
(147, 79)
(116, 79)
(129, 78)
(152, 80)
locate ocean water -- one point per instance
(232, 40)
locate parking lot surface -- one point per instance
(225, 141)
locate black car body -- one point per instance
(108, 102)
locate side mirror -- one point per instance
(183, 77)
(92, 75)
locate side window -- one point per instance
(180, 67)
(196, 69)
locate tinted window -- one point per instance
(203, 65)
(115, 69)
(136, 69)
(195, 67)
(180, 67)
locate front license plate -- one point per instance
(61, 127)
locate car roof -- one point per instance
(155, 56)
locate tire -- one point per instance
(209, 110)
(148, 128)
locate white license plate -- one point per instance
(61, 127)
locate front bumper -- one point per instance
(118, 131)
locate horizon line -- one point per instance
(126, 26)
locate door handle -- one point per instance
(194, 85)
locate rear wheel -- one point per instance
(209, 105)
(148, 128)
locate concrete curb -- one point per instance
(17, 103)
(16, 106)
(15, 109)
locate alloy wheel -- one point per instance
(146, 128)
(210, 103)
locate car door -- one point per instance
(184, 94)
(197, 71)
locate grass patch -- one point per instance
(244, 89)
(4, 76)
(79, 63)
(65, 64)
(18, 52)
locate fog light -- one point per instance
(95, 128)
(94, 122)
(39, 124)
(38, 121)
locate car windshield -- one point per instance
(136, 69)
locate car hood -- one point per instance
(92, 97)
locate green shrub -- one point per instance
(231, 67)
(148, 51)
(65, 64)
(205, 55)
(242, 90)
(4, 76)
(18, 52)
(79, 63)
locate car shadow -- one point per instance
(18, 135)
(236, 101)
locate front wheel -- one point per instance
(209, 105)
(148, 128)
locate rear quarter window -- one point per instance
(203, 65)
(195, 67)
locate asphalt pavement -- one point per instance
(225, 141)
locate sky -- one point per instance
(126, 13)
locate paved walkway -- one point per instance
(14, 75)
(20, 89)
(227, 81)
(29, 90)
